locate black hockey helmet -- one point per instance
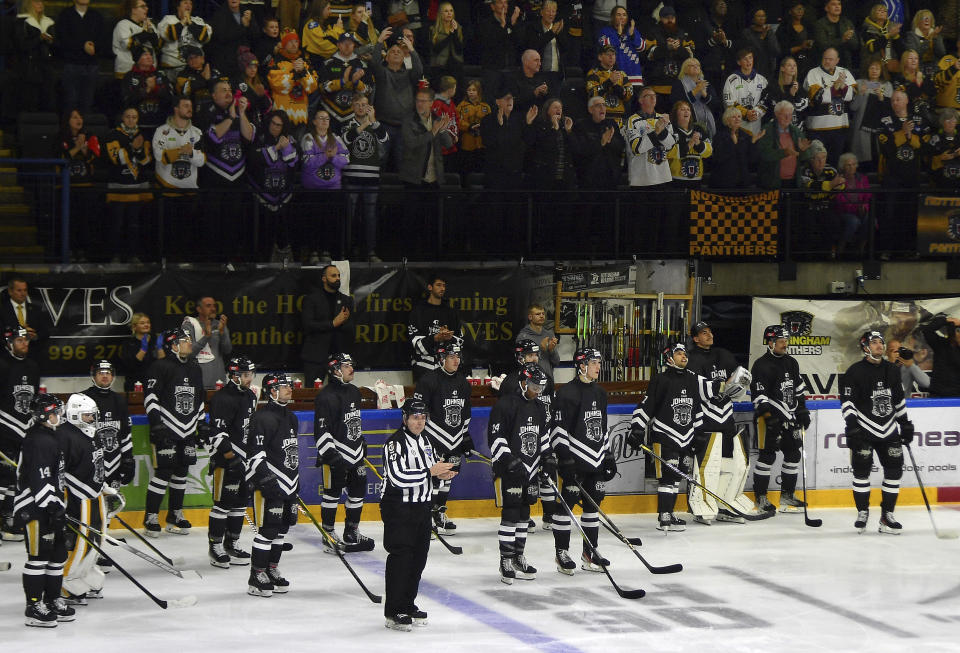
(273, 381)
(448, 348)
(775, 332)
(414, 406)
(697, 328)
(43, 405)
(336, 360)
(673, 347)
(533, 376)
(868, 336)
(584, 355)
(11, 333)
(102, 365)
(174, 336)
(239, 364)
(523, 348)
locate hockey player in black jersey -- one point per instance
(273, 468)
(19, 379)
(780, 408)
(527, 351)
(408, 466)
(231, 409)
(83, 476)
(446, 393)
(341, 448)
(673, 410)
(876, 421)
(721, 458)
(518, 436)
(582, 445)
(40, 507)
(113, 429)
(429, 323)
(174, 400)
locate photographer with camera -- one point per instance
(945, 380)
(910, 372)
(211, 340)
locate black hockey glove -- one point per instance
(608, 468)
(568, 469)
(235, 462)
(549, 465)
(803, 418)
(161, 435)
(906, 432)
(187, 454)
(204, 433)
(855, 435)
(467, 445)
(514, 466)
(636, 436)
(269, 486)
(57, 515)
(774, 424)
(127, 470)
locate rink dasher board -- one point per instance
(936, 447)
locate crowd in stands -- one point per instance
(832, 98)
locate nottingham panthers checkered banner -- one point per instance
(733, 226)
(938, 226)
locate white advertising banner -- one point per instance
(825, 333)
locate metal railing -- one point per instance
(45, 181)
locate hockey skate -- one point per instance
(589, 562)
(670, 522)
(354, 541)
(565, 564)
(531, 527)
(402, 622)
(259, 583)
(237, 556)
(546, 522)
(63, 611)
(524, 570)
(39, 615)
(861, 523)
(764, 505)
(333, 541)
(151, 524)
(889, 524)
(443, 525)
(177, 523)
(10, 531)
(729, 517)
(74, 599)
(280, 584)
(419, 616)
(507, 572)
(790, 503)
(94, 594)
(700, 519)
(219, 556)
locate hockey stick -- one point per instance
(184, 602)
(376, 598)
(176, 562)
(813, 523)
(690, 479)
(455, 550)
(109, 539)
(631, 543)
(943, 535)
(627, 594)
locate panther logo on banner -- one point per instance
(800, 323)
(183, 394)
(291, 454)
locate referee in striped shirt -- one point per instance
(405, 506)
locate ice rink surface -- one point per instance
(768, 586)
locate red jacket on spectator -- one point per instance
(443, 106)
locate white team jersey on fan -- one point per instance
(828, 107)
(647, 163)
(177, 171)
(744, 93)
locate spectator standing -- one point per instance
(692, 146)
(270, 169)
(211, 340)
(668, 47)
(138, 351)
(628, 46)
(762, 40)
(541, 332)
(924, 37)
(831, 89)
(743, 90)
(649, 136)
(498, 34)
(323, 155)
(879, 37)
(178, 148)
(249, 84)
(327, 327)
(424, 138)
(292, 81)
(869, 106)
(147, 90)
(177, 31)
(33, 39)
(714, 48)
(945, 151)
(694, 89)
(780, 148)
(733, 152)
(321, 33)
(787, 85)
(82, 151)
(343, 75)
(795, 38)
(919, 87)
(470, 112)
(852, 208)
(501, 131)
(268, 41)
(363, 30)
(446, 44)
(611, 85)
(443, 106)
(548, 39)
(549, 144)
(127, 154)
(820, 180)
(945, 379)
(532, 86)
(366, 138)
(396, 84)
(231, 28)
(81, 37)
(836, 32)
(134, 29)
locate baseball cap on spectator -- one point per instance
(192, 51)
(347, 36)
(607, 48)
(666, 11)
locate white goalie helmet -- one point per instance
(82, 412)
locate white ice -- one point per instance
(771, 586)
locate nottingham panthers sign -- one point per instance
(803, 342)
